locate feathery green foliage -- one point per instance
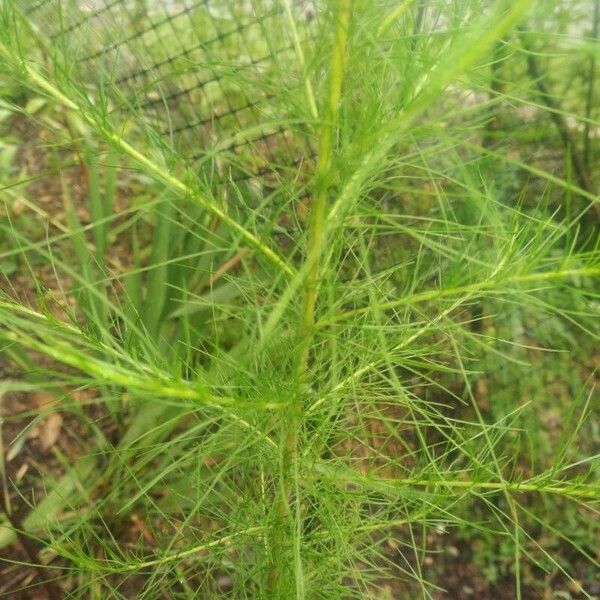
(302, 384)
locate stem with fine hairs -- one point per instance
(306, 326)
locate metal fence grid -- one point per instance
(199, 71)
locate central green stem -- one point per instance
(316, 242)
(323, 181)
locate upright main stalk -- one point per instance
(323, 179)
(316, 241)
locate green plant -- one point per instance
(293, 387)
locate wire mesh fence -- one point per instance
(202, 73)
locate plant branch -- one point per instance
(392, 486)
(481, 286)
(173, 182)
(316, 242)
